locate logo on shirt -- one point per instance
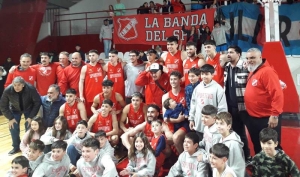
(45, 71)
(119, 70)
(98, 69)
(74, 111)
(127, 28)
(254, 82)
(176, 61)
(31, 78)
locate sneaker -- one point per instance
(14, 151)
(248, 161)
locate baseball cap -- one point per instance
(155, 67)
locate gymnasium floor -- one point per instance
(290, 143)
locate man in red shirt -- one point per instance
(157, 81)
(24, 70)
(106, 120)
(263, 98)
(90, 82)
(213, 58)
(135, 112)
(177, 94)
(174, 58)
(72, 110)
(72, 73)
(46, 73)
(192, 61)
(115, 71)
(63, 63)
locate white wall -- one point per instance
(45, 31)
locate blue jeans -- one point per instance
(15, 131)
(107, 47)
(73, 154)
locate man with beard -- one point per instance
(72, 73)
(51, 104)
(263, 98)
(235, 80)
(131, 71)
(91, 77)
(153, 112)
(192, 61)
(213, 58)
(174, 58)
(24, 70)
(63, 63)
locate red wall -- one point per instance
(20, 24)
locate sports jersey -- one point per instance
(219, 71)
(93, 81)
(45, 76)
(116, 74)
(29, 75)
(113, 98)
(180, 98)
(72, 115)
(187, 66)
(148, 131)
(103, 123)
(136, 117)
(174, 62)
(161, 157)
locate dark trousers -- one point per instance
(255, 125)
(15, 131)
(73, 154)
(238, 126)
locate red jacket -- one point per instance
(263, 94)
(145, 79)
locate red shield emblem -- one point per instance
(127, 28)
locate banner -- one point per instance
(247, 25)
(289, 25)
(154, 29)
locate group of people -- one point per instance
(167, 6)
(181, 103)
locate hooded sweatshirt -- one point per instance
(227, 171)
(77, 142)
(102, 165)
(34, 164)
(206, 94)
(51, 168)
(188, 166)
(211, 136)
(110, 151)
(236, 154)
(143, 166)
(48, 138)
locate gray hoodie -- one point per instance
(48, 138)
(50, 168)
(77, 142)
(206, 94)
(211, 137)
(34, 164)
(144, 167)
(188, 166)
(236, 154)
(219, 34)
(102, 165)
(111, 151)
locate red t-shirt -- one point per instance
(46, 76)
(29, 75)
(93, 81)
(72, 115)
(219, 71)
(161, 158)
(187, 66)
(136, 118)
(174, 62)
(72, 76)
(103, 123)
(116, 74)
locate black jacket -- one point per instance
(10, 101)
(188, 34)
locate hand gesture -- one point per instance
(11, 123)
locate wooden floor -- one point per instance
(5, 145)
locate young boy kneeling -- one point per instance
(272, 162)
(94, 161)
(187, 164)
(55, 163)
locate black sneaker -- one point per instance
(248, 161)
(14, 151)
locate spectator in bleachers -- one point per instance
(219, 35)
(192, 35)
(165, 8)
(177, 6)
(111, 13)
(205, 34)
(159, 51)
(196, 5)
(8, 64)
(143, 56)
(2, 80)
(153, 8)
(131, 72)
(78, 49)
(106, 36)
(119, 8)
(144, 9)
